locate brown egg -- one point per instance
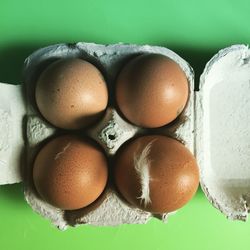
(70, 173)
(156, 173)
(152, 90)
(71, 93)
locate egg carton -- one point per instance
(213, 125)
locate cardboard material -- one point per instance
(12, 115)
(222, 131)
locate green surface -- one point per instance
(194, 30)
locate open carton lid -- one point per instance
(222, 131)
(12, 113)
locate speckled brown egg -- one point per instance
(156, 173)
(151, 90)
(70, 173)
(71, 93)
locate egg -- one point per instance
(156, 173)
(70, 172)
(71, 93)
(151, 90)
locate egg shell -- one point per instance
(71, 94)
(151, 90)
(111, 132)
(70, 172)
(156, 173)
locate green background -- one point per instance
(195, 30)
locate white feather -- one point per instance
(142, 167)
(58, 155)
